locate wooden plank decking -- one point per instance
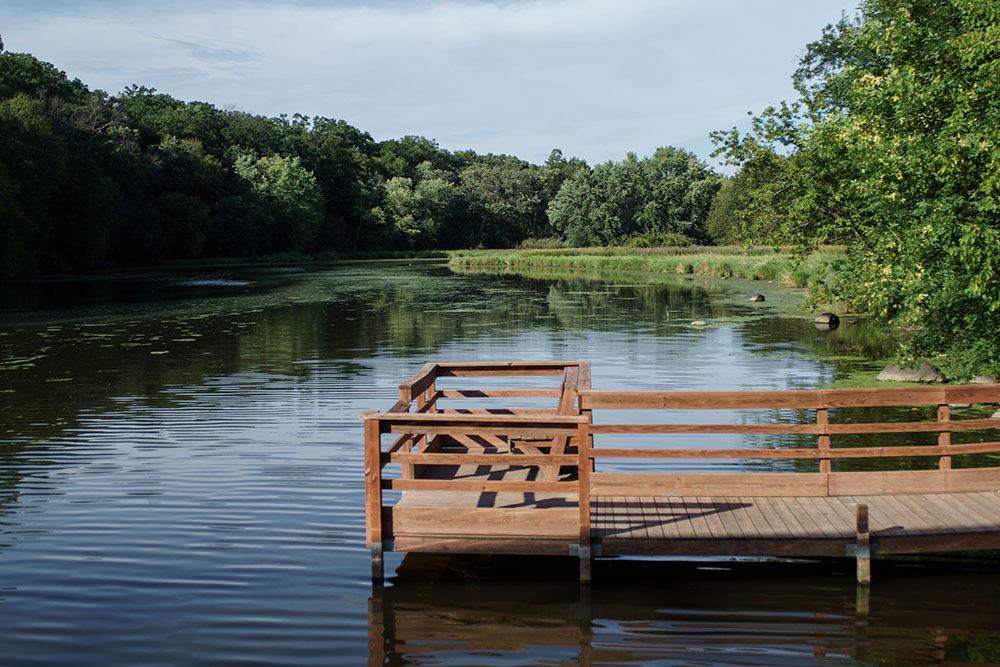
(532, 480)
(692, 525)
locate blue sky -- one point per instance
(594, 78)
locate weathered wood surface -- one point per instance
(528, 480)
(796, 484)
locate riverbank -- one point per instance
(815, 272)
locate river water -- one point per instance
(181, 479)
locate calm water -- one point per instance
(181, 467)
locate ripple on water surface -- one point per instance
(181, 482)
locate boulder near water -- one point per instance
(827, 318)
(924, 373)
(827, 322)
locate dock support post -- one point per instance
(583, 466)
(373, 494)
(863, 549)
(378, 565)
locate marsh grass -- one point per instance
(720, 262)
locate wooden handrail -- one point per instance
(802, 399)
(773, 453)
(418, 383)
(803, 429)
(443, 418)
(502, 368)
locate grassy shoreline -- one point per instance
(816, 271)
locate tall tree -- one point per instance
(667, 193)
(893, 149)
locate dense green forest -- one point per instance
(89, 180)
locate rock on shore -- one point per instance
(924, 373)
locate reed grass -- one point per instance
(721, 262)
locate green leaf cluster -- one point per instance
(668, 193)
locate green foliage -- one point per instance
(21, 74)
(893, 149)
(414, 213)
(32, 170)
(755, 264)
(504, 202)
(291, 195)
(670, 192)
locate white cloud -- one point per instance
(594, 78)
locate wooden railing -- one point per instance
(824, 482)
(436, 425)
(440, 431)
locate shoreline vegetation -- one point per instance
(816, 271)
(756, 263)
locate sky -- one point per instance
(594, 78)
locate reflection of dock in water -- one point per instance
(533, 479)
(525, 610)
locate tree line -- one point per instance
(89, 180)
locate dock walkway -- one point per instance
(533, 480)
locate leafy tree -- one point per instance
(504, 202)
(33, 168)
(292, 196)
(21, 73)
(400, 157)
(892, 148)
(415, 213)
(669, 192)
(237, 227)
(145, 111)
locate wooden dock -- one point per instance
(479, 472)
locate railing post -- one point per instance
(823, 419)
(944, 437)
(373, 493)
(583, 465)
